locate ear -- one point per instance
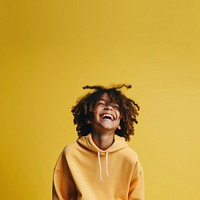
(119, 127)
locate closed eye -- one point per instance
(101, 103)
(115, 106)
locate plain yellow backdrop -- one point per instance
(50, 49)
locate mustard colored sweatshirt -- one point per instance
(85, 172)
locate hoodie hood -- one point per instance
(88, 143)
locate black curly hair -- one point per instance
(83, 110)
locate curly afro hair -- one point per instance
(83, 110)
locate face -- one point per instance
(106, 115)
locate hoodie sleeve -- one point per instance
(63, 184)
(136, 191)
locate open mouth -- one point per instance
(107, 116)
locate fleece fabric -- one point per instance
(85, 172)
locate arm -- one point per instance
(63, 183)
(136, 190)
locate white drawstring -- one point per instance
(107, 173)
(100, 166)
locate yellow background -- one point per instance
(50, 49)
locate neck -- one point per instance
(103, 140)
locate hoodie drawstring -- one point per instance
(107, 173)
(100, 165)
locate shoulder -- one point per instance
(135, 158)
(131, 152)
(70, 148)
(130, 155)
(66, 153)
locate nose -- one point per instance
(108, 107)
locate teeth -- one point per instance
(107, 116)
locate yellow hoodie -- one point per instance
(85, 172)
